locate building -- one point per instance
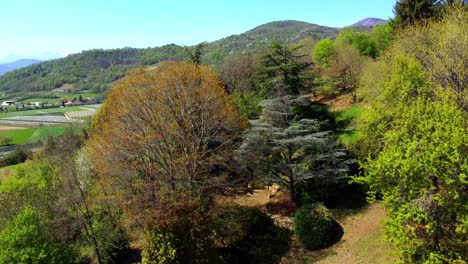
(8, 103)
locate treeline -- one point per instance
(96, 70)
(93, 70)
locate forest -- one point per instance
(163, 171)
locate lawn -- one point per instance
(31, 135)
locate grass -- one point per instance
(8, 171)
(345, 119)
(349, 114)
(40, 111)
(31, 135)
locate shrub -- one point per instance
(314, 226)
(15, 157)
(160, 248)
(248, 235)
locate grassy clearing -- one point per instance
(31, 135)
(349, 114)
(362, 240)
(41, 111)
(345, 119)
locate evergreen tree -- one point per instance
(289, 149)
(282, 64)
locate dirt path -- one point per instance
(2, 128)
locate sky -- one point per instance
(47, 28)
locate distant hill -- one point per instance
(6, 67)
(369, 22)
(96, 70)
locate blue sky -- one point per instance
(35, 28)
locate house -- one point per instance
(7, 103)
(37, 104)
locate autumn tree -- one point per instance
(158, 138)
(346, 68)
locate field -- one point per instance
(31, 135)
(41, 111)
(61, 97)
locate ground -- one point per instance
(362, 240)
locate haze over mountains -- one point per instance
(98, 69)
(16, 65)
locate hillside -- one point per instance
(95, 70)
(288, 31)
(6, 67)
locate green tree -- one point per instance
(381, 36)
(282, 65)
(410, 12)
(360, 40)
(323, 52)
(196, 53)
(23, 240)
(417, 160)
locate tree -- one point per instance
(441, 47)
(381, 35)
(289, 149)
(159, 138)
(359, 40)
(282, 65)
(195, 54)
(410, 12)
(346, 68)
(416, 160)
(323, 52)
(23, 240)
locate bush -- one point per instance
(15, 157)
(160, 248)
(181, 235)
(314, 226)
(248, 235)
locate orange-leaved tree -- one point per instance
(158, 137)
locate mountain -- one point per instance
(96, 70)
(369, 22)
(288, 31)
(16, 65)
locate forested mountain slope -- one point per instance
(95, 70)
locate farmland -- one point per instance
(31, 135)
